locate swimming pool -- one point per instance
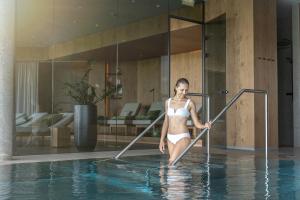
(147, 177)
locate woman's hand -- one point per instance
(162, 146)
(207, 125)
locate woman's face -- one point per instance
(182, 90)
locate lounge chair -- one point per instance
(27, 127)
(42, 125)
(143, 121)
(128, 112)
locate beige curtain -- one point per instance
(27, 87)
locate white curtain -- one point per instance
(27, 87)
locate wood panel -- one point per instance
(31, 53)
(176, 24)
(65, 72)
(97, 77)
(250, 63)
(187, 65)
(148, 77)
(128, 32)
(265, 71)
(214, 9)
(129, 83)
(45, 87)
(240, 72)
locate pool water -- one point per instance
(148, 177)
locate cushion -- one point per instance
(48, 120)
(122, 117)
(19, 115)
(130, 107)
(151, 115)
(22, 120)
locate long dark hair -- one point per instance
(179, 81)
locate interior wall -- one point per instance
(265, 69)
(97, 78)
(148, 78)
(285, 73)
(187, 65)
(45, 87)
(66, 72)
(296, 72)
(241, 71)
(129, 83)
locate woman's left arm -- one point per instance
(195, 118)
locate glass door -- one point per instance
(215, 75)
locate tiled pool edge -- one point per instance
(75, 156)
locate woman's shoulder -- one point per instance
(191, 102)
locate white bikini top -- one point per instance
(183, 112)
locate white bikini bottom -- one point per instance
(174, 138)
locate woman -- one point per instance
(178, 109)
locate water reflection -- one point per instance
(84, 179)
(5, 181)
(267, 195)
(175, 183)
(187, 181)
(217, 177)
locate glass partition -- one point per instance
(186, 60)
(215, 75)
(117, 48)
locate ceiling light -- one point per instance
(157, 6)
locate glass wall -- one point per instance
(215, 75)
(113, 54)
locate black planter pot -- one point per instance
(85, 127)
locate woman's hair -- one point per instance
(181, 81)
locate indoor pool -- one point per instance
(148, 177)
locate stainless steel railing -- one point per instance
(234, 99)
(207, 115)
(162, 115)
(139, 136)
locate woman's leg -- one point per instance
(178, 148)
(170, 148)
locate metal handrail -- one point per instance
(155, 121)
(207, 115)
(222, 112)
(139, 136)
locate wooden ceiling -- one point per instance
(182, 40)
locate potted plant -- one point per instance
(85, 111)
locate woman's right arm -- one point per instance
(164, 130)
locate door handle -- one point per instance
(223, 92)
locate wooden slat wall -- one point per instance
(240, 72)
(129, 82)
(246, 23)
(187, 65)
(148, 77)
(265, 71)
(214, 9)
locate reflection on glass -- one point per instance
(215, 75)
(189, 9)
(126, 45)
